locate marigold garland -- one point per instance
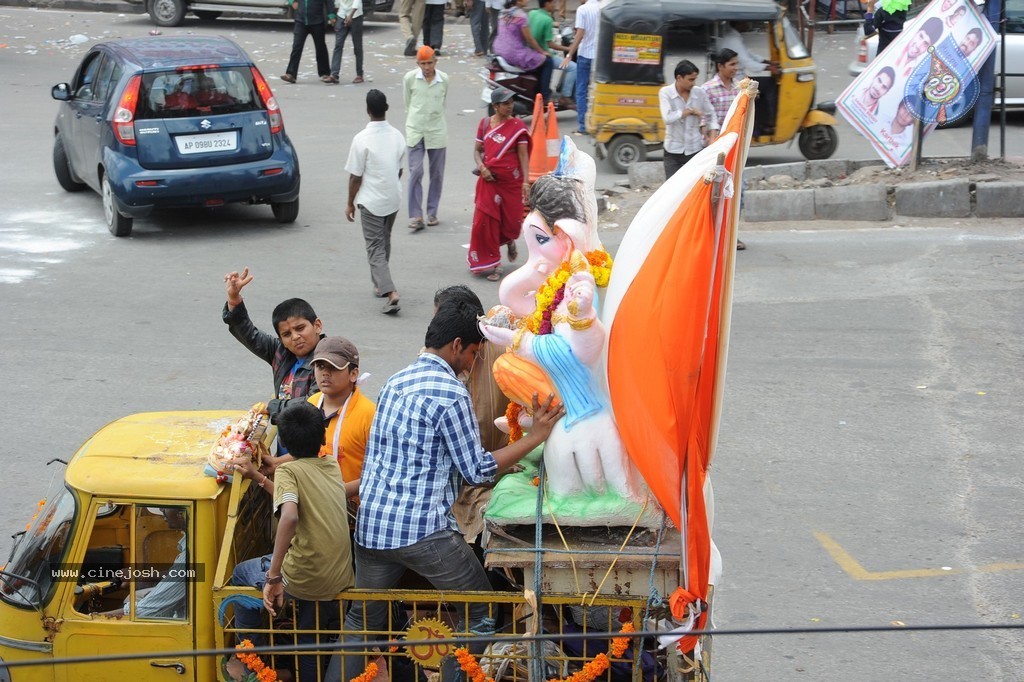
(515, 429)
(548, 296)
(39, 508)
(467, 662)
(367, 675)
(254, 663)
(590, 672)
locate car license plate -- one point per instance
(208, 142)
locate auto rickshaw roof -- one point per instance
(153, 454)
(631, 15)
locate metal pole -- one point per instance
(537, 659)
(1002, 79)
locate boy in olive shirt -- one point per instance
(312, 559)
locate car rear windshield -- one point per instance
(197, 91)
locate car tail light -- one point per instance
(272, 171)
(269, 101)
(124, 115)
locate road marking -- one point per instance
(854, 569)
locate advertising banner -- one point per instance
(928, 73)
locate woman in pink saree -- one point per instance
(502, 154)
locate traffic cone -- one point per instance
(539, 148)
(538, 115)
(554, 139)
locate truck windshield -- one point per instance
(29, 576)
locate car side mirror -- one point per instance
(61, 91)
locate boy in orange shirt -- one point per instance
(347, 412)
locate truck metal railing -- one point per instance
(422, 624)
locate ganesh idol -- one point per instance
(548, 321)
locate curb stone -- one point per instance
(999, 200)
(939, 199)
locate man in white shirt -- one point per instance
(584, 45)
(690, 119)
(374, 185)
(750, 65)
(349, 21)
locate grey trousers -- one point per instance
(377, 234)
(480, 26)
(436, 158)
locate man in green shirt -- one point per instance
(542, 26)
(426, 133)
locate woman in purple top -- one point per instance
(517, 46)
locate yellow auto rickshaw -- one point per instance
(638, 37)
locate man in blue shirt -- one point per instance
(424, 441)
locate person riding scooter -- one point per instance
(517, 46)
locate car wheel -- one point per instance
(206, 15)
(119, 225)
(625, 150)
(167, 12)
(286, 212)
(818, 142)
(62, 169)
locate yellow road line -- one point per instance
(854, 569)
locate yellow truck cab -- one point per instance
(133, 554)
(135, 503)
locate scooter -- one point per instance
(524, 84)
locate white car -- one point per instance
(172, 12)
(867, 48)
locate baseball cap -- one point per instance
(336, 351)
(501, 95)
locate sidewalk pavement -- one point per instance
(840, 189)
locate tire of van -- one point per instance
(206, 15)
(167, 12)
(285, 212)
(625, 150)
(119, 225)
(61, 168)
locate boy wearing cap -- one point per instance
(298, 332)
(347, 413)
(312, 559)
(426, 132)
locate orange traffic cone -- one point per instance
(554, 139)
(539, 149)
(538, 115)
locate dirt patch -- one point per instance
(929, 171)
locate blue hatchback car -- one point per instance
(166, 122)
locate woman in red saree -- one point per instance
(502, 154)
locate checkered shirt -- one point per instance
(424, 441)
(721, 96)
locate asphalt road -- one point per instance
(868, 467)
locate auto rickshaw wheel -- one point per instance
(625, 150)
(818, 142)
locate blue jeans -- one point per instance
(252, 573)
(567, 88)
(583, 66)
(443, 558)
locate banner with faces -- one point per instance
(928, 73)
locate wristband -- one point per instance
(274, 580)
